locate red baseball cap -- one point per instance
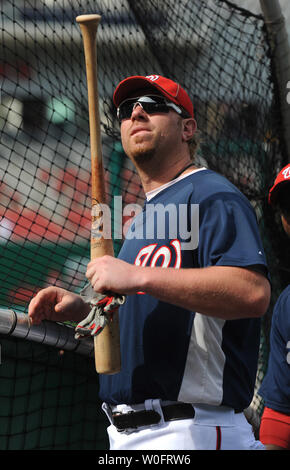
(171, 90)
(282, 177)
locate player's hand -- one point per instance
(56, 304)
(112, 274)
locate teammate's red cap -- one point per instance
(170, 89)
(282, 178)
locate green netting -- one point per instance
(48, 399)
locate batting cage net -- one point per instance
(223, 56)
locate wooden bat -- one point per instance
(107, 343)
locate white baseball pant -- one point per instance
(212, 428)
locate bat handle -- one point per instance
(89, 25)
(92, 21)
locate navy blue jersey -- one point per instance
(275, 388)
(172, 353)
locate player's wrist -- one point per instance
(149, 278)
(142, 280)
(80, 309)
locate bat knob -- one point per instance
(93, 18)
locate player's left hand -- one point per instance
(109, 274)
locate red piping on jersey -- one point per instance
(218, 438)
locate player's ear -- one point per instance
(188, 128)
(285, 218)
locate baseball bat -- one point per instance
(107, 343)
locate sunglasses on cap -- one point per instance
(150, 103)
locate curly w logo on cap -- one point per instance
(282, 178)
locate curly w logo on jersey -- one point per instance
(164, 256)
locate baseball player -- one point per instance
(195, 292)
(275, 389)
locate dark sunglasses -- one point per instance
(150, 103)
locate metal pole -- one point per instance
(48, 333)
(275, 23)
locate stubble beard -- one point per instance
(143, 155)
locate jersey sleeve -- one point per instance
(275, 388)
(229, 233)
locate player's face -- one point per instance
(286, 223)
(145, 135)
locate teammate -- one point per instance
(194, 274)
(275, 389)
